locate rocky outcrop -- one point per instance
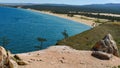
(3, 58)
(6, 60)
(108, 45)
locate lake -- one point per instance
(23, 27)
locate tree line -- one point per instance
(77, 10)
(67, 8)
(111, 18)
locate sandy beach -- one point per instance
(76, 18)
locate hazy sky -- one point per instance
(73, 2)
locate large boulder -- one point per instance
(108, 45)
(3, 58)
(6, 60)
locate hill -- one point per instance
(96, 8)
(18, 4)
(87, 39)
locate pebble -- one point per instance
(32, 59)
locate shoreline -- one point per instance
(75, 18)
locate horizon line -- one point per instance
(58, 3)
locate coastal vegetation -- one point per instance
(111, 18)
(87, 39)
(62, 8)
(65, 34)
(93, 11)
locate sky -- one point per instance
(71, 2)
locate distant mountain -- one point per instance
(58, 4)
(54, 4)
(17, 4)
(102, 6)
(97, 8)
(111, 7)
(113, 4)
(49, 4)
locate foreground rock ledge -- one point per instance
(6, 60)
(65, 57)
(59, 57)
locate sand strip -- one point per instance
(76, 18)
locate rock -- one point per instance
(6, 60)
(39, 60)
(32, 59)
(3, 58)
(61, 61)
(101, 55)
(21, 62)
(108, 45)
(17, 57)
(13, 64)
(63, 58)
(29, 61)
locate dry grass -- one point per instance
(87, 39)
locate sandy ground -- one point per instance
(76, 18)
(65, 57)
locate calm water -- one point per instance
(22, 27)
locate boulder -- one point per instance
(3, 57)
(101, 55)
(108, 45)
(17, 57)
(6, 60)
(19, 60)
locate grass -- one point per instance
(116, 67)
(85, 18)
(87, 39)
(119, 66)
(102, 21)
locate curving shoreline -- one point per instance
(75, 18)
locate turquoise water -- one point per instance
(22, 27)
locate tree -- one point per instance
(4, 41)
(97, 21)
(40, 39)
(70, 15)
(65, 34)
